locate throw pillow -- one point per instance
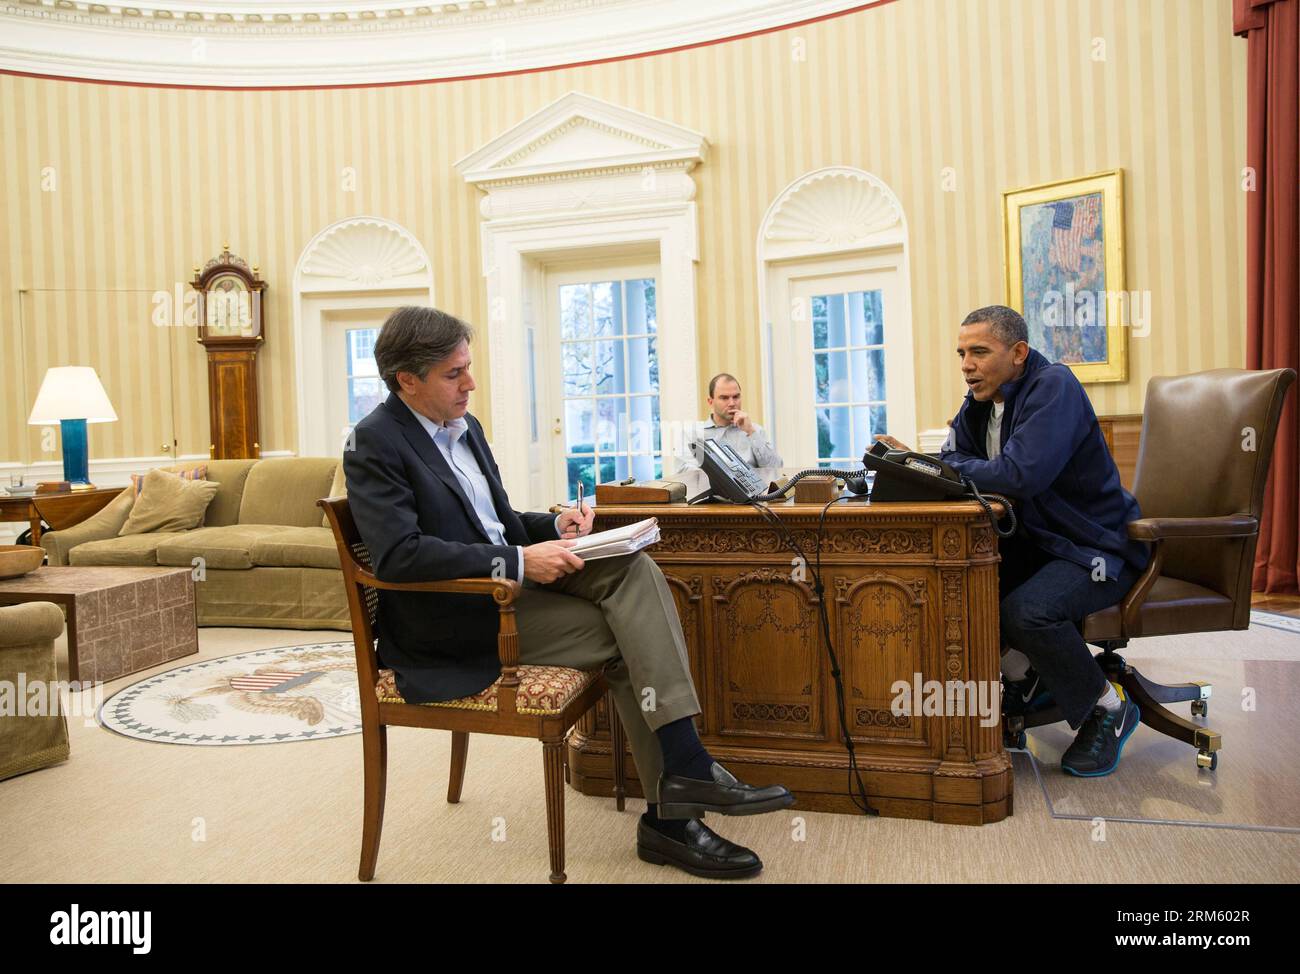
(169, 503)
(193, 473)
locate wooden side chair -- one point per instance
(526, 701)
(1203, 460)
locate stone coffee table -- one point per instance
(120, 620)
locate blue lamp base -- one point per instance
(76, 457)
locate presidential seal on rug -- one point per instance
(270, 696)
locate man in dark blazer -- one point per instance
(427, 497)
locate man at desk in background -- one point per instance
(428, 500)
(730, 424)
(1028, 430)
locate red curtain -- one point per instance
(1271, 28)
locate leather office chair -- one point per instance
(525, 701)
(1207, 440)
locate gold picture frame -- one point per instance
(1068, 236)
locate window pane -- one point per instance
(879, 420)
(643, 425)
(607, 308)
(866, 323)
(876, 361)
(838, 370)
(364, 394)
(642, 365)
(835, 320)
(607, 367)
(361, 351)
(644, 468)
(874, 316)
(579, 421)
(575, 311)
(861, 387)
(833, 437)
(576, 360)
(608, 471)
(861, 431)
(584, 470)
(640, 306)
(611, 425)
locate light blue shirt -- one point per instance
(451, 442)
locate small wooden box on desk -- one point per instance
(912, 592)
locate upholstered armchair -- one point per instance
(28, 742)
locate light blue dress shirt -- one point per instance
(451, 442)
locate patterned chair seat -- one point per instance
(542, 690)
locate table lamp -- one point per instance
(72, 396)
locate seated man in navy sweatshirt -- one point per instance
(1027, 430)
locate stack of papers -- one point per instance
(619, 541)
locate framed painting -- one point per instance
(1064, 249)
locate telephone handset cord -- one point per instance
(988, 508)
(845, 475)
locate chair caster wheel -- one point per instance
(1014, 739)
(1200, 708)
(1207, 759)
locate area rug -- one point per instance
(271, 696)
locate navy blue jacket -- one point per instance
(1054, 464)
(419, 526)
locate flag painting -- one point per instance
(1065, 272)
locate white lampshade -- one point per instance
(71, 392)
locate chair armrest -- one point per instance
(1159, 528)
(104, 524)
(30, 622)
(503, 590)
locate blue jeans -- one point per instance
(1044, 601)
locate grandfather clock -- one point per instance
(230, 328)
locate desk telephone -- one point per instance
(900, 475)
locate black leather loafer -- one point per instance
(681, 797)
(704, 853)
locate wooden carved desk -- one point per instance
(911, 589)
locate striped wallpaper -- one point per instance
(148, 182)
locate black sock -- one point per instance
(683, 753)
(674, 828)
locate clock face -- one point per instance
(229, 309)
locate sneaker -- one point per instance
(1025, 696)
(1096, 749)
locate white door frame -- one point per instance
(362, 263)
(792, 286)
(550, 378)
(838, 218)
(509, 252)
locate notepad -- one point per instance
(618, 541)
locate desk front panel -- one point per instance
(911, 595)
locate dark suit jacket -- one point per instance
(419, 526)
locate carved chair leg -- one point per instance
(1172, 692)
(459, 750)
(618, 749)
(553, 766)
(1165, 721)
(374, 744)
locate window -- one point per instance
(610, 365)
(365, 389)
(848, 342)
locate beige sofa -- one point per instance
(267, 558)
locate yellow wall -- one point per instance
(1005, 92)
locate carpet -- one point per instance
(271, 696)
